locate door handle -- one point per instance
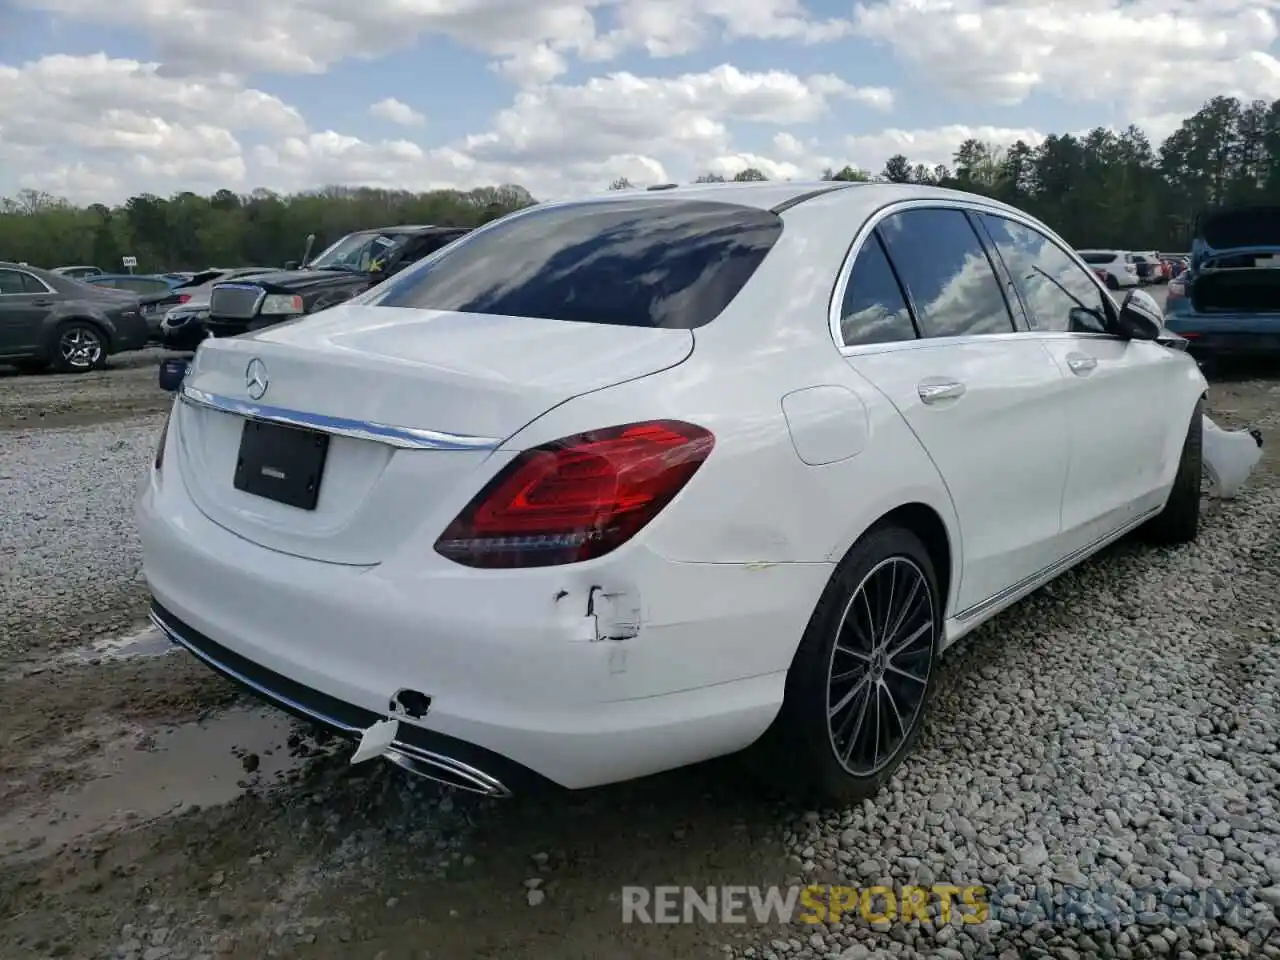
(1081, 364)
(931, 391)
(42, 303)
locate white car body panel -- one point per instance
(675, 647)
(1012, 401)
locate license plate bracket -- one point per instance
(281, 463)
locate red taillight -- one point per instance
(164, 433)
(576, 498)
(184, 297)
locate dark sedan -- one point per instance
(51, 320)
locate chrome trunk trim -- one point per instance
(408, 438)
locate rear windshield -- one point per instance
(1097, 257)
(639, 262)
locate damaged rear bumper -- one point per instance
(432, 755)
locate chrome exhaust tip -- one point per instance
(445, 770)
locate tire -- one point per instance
(802, 742)
(1179, 521)
(79, 347)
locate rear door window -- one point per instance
(11, 283)
(874, 309)
(946, 272)
(640, 262)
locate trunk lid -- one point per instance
(1254, 229)
(471, 380)
(1235, 261)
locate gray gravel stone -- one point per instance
(1103, 757)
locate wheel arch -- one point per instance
(88, 320)
(936, 527)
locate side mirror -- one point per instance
(1140, 317)
(291, 264)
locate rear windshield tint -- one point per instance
(1097, 257)
(638, 263)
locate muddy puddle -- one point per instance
(142, 643)
(143, 774)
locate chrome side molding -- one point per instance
(407, 438)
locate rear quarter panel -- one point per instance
(755, 500)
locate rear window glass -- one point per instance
(636, 263)
(1097, 258)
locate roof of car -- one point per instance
(411, 228)
(779, 195)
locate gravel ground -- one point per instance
(1110, 741)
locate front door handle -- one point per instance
(42, 303)
(1081, 364)
(931, 391)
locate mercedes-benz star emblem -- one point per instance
(255, 378)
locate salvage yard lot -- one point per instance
(1119, 728)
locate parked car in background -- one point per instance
(601, 524)
(48, 319)
(349, 267)
(78, 272)
(1119, 265)
(183, 325)
(1228, 301)
(155, 292)
(1148, 266)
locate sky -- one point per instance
(101, 99)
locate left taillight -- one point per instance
(184, 297)
(164, 434)
(577, 498)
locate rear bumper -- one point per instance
(521, 687)
(1227, 334)
(434, 755)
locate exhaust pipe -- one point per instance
(445, 770)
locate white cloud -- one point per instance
(529, 38)
(393, 111)
(1151, 56)
(685, 114)
(77, 125)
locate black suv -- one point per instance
(349, 267)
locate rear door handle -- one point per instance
(931, 391)
(42, 303)
(1081, 364)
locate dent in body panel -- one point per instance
(827, 423)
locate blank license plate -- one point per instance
(281, 463)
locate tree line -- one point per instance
(1102, 189)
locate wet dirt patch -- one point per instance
(138, 774)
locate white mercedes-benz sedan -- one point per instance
(616, 485)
